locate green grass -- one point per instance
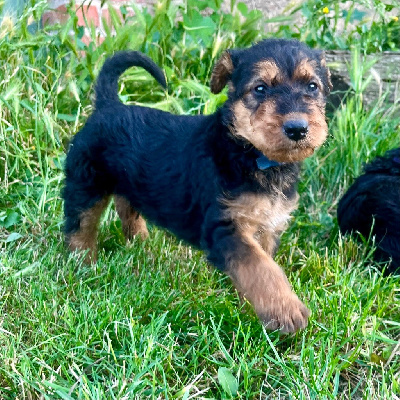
(152, 319)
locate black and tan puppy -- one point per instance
(371, 206)
(225, 183)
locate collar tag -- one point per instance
(264, 163)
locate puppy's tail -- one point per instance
(107, 81)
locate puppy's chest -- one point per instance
(257, 212)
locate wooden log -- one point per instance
(384, 73)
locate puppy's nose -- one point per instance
(296, 129)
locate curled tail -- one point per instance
(107, 81)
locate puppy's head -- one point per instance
(277, 92)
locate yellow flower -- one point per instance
(395, 19)
(325, 10)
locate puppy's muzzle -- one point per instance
(296, 129)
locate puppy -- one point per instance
(371, 206)
(225, 183)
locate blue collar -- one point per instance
(264, 162)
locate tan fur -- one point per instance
(263, 129)
(323, 60)
(259, 221)
(132, 222)
(305, 72)
(86, 237)
(265, 218)
(268, 241)
(221, 72)
(254, 213)
(268, 72)
(260, 280)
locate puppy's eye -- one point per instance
(260, 89)
(312, 87)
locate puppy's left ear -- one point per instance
(328, 82)
(222, 72)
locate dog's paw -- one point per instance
(285, 312)
(137, 229)
(260, 280)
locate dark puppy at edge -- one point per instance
(371, 206)
(225, 183)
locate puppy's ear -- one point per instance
(221, 73)
(328, 82)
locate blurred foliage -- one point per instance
(372, 25)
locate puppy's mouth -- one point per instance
(294, 155)
(287, 150)
(299, 140)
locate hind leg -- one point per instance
(82, 216)
(132, 222)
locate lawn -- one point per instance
(152, 319)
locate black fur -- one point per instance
(372, 206)
(107, 81)
(99, 163)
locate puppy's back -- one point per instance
(372, 206)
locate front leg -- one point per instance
(259, 279)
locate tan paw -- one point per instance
(143, 234)
(284, 312)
